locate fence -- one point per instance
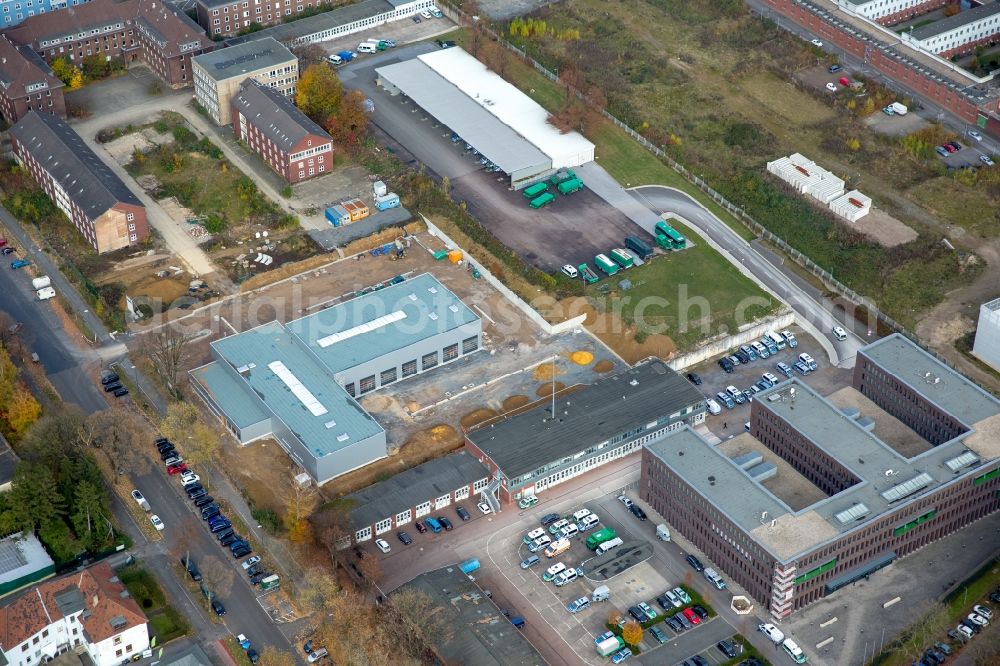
(829, 281)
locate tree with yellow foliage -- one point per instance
(319, 92)
(632, 633)
(21, 411)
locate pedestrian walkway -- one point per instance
(603, 185)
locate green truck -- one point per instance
(606, 265)
(668, 238)
(589, 276)
(570, 186)
(534, 190)
(599, 537)
(543, 200)
(622, 258)
(609, 646)
(561, 176)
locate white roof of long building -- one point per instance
(510, 106)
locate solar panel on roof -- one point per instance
(297, 389)
(964, 460)
(907, 488)
(856, 512)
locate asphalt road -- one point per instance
(812, 314)
(41, 331)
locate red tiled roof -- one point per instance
(26, 614)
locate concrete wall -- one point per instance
(718, 345)
(987, 344)
(517, 301)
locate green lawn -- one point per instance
(166, 622)
(689, 295)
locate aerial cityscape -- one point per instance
(500, 332)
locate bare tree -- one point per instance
(309, 54)
(300, 501)
(186, 531)
(216, 575)
(332, 529)
(115, 432)
(932, 621)
(318, 595)
(166, 350)
(417, 609)
(272, 656)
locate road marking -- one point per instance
(890, 602)
(824, 642)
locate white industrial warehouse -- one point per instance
(807, 177)
(506, 126)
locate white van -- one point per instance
(555, 527)
(581, 514)
(662, 532)
(608, 545)
(566, 577)
(589, 522)
(778, 341)
(602, 593)
(553, 571)
(367, 47)
(712, 576)
(772, 632)
(713, 407)
(557, 547)
(534, 534)
(335, 60)
(569, 531)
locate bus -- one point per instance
(599, 537)
(793, 651)
(668, 237)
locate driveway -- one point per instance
(813, 312)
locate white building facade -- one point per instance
(987, 344)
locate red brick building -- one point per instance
(98, 203)
(226, 17)
(147, 31)
(27, 83)
(284, 137)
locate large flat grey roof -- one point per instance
(288, 32)
(319, 411)
(229, 394)
(937, 382)
(587, 416)
(465, 116)
(241, 59)
(425, 482)
(887, 480)
(957, 21)
(382, 321)
(476, 631)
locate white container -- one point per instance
(45, 294)
(41, 282)
(379, 188)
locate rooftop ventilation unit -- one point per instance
(964, 460)
(856, 512)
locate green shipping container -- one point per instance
(534, 190)
(543, 200)
(570, 186)
(606, 264)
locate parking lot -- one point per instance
(560, 233)
(729, 423)
(643, 582)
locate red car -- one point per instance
(692, 616)
(177, 469)
(950, 148)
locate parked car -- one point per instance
(987, 160)
(219, 526)
(694, 378)
(157, 523)
(956, 145)
(177, 469)
(218, 608)
(404, 538)
(983, 610)
(832, 87)
(621, 655)
(530, 561)
(549, 518)
(695, 563)
(191, 567)
(647, 609)
(118, 393)
(726, 365)
(382, 545)
(139, 499)
(691, 616)
(833, 69)
(8, 250)
(420, 527)
(603, 637)
(462, 513)
(950, 148)
(485, 508)
(578, 605)
(638, 614)
(445, 523)
(700, 611)
(726, 649)
(250, 561)
(638, 512)
(658, 634)
(111, 379)
(941, 151)
(625, 500)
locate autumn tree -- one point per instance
(166, 349)
(21, 411)
(349, 126)
(66, 72)
(319, 92)
(632, 633)
(300, 501)
(426, 619)
(114, 432)
(317, 597)
(184, 426)
(332, 527)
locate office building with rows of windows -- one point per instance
(219, 74)
(297, 382)
(593, 425)
(824, 491)
(419, 492)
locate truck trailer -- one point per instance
(561, 176)
(622, 258)
(570, 186)
(588, 275)
(535, 190)
(606, 265)
(543, 200)
(609, 646)
(41, 282)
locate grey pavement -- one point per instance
(601, 183)
(813, 315)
